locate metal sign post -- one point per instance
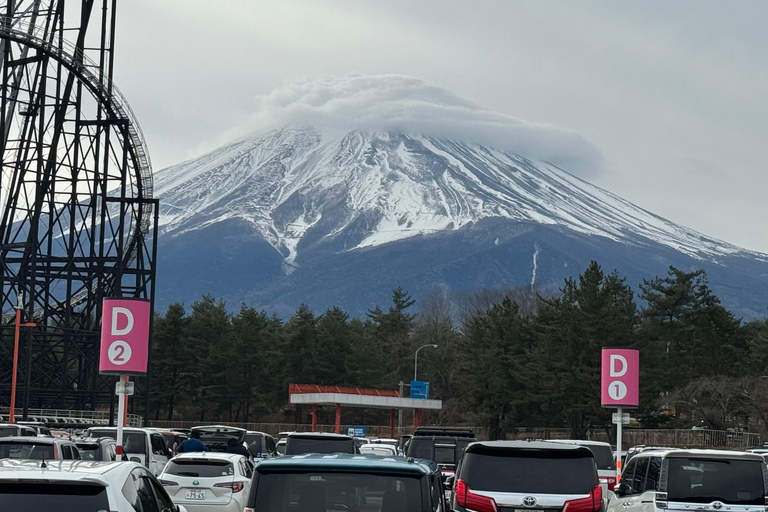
(124, 349)
(620, 387)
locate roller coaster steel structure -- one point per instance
(78, 217)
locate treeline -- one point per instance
(504, 359)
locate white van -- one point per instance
(686, 480)
(142, 445)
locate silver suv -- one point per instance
(531, 475)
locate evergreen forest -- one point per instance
(505, 358)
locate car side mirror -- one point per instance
(449, 481)
(135, 459)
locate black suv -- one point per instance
(505, 476)
(443, 446)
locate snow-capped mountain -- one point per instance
(352, 186)
(391, 186)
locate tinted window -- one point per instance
(88, 451)
(66, 452)
(652, 480)
(26, 450)
(551, 472)
(33, 497)
(196, 468)
(628, 474)
(160, 495)
(8, 431)
(284, 492)
(603, 456)
(270, 444)
(146, 495)
(638, 482)
(299, 445)
(704, 481)
(445, 454)
(158, 445)
(133, 442)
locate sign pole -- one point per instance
(618, 445)
(120, 392)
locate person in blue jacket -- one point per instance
(193, 444)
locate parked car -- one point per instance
(658, 481)
(207, 481)
(78, 486)
(41, 448)
(97, 448)
(606, 466)
(217, 437)
(512, 475)
(320, 483)
(640, 448)
(173, 439)
(39, 427)
(402, 444)
(384, 450)
(260, 445)
(144, 446)
(319, 442)
(14, 429)
(391, 442)
(444, 446)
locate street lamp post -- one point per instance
(416, 359)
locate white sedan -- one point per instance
(202, 481)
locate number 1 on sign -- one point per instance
(617, 390)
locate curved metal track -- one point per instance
(75, 196)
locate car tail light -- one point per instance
(235, 486)
(247, 509)
(592, 503)
(610, 481)
(467, 499)
(167, 482)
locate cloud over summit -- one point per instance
(415, 106)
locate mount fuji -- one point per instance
(449, 196)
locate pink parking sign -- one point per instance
(124, 336)
(620, 377)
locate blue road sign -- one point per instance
(419, 389)
(356, 431)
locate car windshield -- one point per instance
(133, 442)
(543, 472)
(25, 450)
(217, 439)
(34, 497)
(737, 482)
(201, 469)
(299, 445)
(88, 451)
(332, 491)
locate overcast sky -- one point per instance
(674, 95)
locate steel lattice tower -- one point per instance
(78, 217)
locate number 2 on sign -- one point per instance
(119, 352)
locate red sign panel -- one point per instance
(620, 377)
(124, 336)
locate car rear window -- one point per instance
(332, 491)
(299, 445)
(34, 497)
(445, 454)
(544, 472)
(202, 469)
(132, 442)
(603, 456)
(28, 450)
(737, 482)
(88, 451)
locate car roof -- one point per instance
(35, 440)
(208, 456)
(378, 446)
(319, 435)
(76, 470)
(126, 429)
(580, 442)
(484, 446)
(709, 454)
(219, 427)
(350, 462)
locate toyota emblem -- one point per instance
(529, 501)
(195, 482)
(717, 505)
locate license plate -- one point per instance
(194, 494)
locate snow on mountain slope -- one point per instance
(376, 187)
